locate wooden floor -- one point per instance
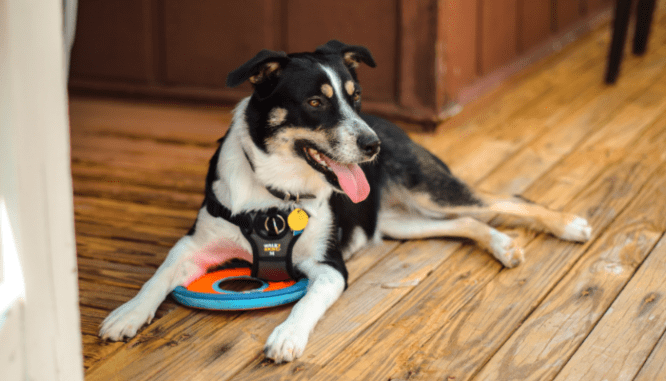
(428, 310)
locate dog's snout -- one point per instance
(368, 144)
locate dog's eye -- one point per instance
(357, 96)
(314, 102)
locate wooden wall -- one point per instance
(482, 36)
(428, 51)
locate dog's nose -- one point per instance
(368, 144)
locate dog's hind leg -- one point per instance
(566, 226)
(399, 225)
(430, 202)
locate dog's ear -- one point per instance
(352, 55)
(265, 66)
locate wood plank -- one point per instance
(142, 156)
(179, 124)
(550, 121)
(164, 336)
(102, 349)
(90, 319)
(118, 250)
(137, 193)
(102, 273)
(109, 297)
(548, 338)
(655, 366)
(536, 158)
(140, 218)
(499, 34)
(546, 109)
(472, 135)
(173, 180)
(640, 311)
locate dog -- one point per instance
(300, 140)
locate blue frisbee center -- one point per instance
(217, 285)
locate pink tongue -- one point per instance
(351, 179)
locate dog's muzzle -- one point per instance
(368, 144)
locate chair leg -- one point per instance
(644, 12)
(620, 25)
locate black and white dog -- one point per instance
(300, 140)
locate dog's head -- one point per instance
(306, 105)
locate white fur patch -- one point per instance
(351, 127)
(578, 230)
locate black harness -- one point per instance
(271, 238)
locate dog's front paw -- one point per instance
(125, 321)
(577, 229)
(286, 343)
(505, 249)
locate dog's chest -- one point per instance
(318, 233)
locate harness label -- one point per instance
(272, 248)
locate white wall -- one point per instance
(40, 333)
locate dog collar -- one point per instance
(286, 196)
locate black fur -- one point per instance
(412, 166)
(253, 66)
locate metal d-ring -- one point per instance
(277, 231)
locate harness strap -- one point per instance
(270, 237)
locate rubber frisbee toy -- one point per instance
(206, 292)
(272, 235)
